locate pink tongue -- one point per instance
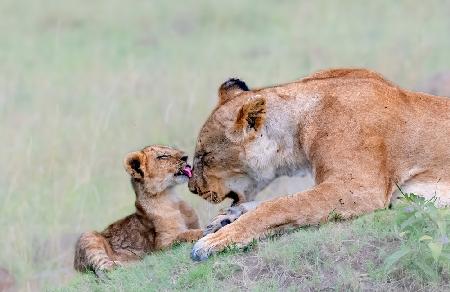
(187, 171)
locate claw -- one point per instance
(209, 229)
(102, 276)
(228, 216)
(225, 222)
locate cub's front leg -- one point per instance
(172, 227)
(167, 239)
(190, 235)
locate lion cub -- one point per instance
(161, 218)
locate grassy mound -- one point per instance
(385, 250)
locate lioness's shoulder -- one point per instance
(351, 73)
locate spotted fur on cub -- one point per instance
(161, 218)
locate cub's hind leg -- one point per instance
(93, 252)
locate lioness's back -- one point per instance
(350, 73)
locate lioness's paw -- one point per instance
(237, 234)
(200, 252)
(216, 242)
(210, 244)
(230, 215)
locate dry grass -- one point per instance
(84, 82)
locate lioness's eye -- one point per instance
(163, 156)
(207, 158)
(204, 154)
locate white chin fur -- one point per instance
(259, 156)
(238, 184)
(180, 179)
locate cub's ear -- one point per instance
(252, 115)
(230, 89)
(133, 164)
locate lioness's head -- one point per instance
(231, 149)
(156, 168)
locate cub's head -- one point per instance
(230, 146)
(156, 168)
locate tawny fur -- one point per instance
(161, 218)
(357, 133)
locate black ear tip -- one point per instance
(234, 82)
(135, 164)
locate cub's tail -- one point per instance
(92, 252)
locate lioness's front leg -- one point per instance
(229, 215)
(305, 208)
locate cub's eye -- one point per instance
(163, 156)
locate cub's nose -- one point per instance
(184, 158)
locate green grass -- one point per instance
(84, 82)
(340, 256)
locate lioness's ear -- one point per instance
(252, 115)
(230, 89)
(133, 164)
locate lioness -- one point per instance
(357, 133)
(160, 218)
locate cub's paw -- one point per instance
(190, 235)
(230, 215)
(102, 271)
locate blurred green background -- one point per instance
(84, 82)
